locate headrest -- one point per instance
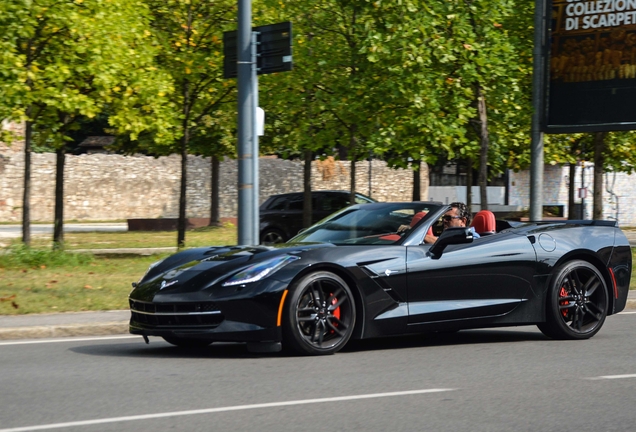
(484, 222)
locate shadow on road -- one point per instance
(158, 349)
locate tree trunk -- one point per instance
(417, 179)
(571, 189)
(307, 202)
(181, 226)
(483, 149)
(469, 184)
(215, 219)
(58, 222)
(599, 162)
(353, 155)
(26, 193)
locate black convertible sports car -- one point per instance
(353, 276)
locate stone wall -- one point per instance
(617, 205)
(111, 187)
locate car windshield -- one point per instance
(374, 223)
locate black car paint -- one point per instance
(399, 288)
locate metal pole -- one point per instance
(536, 167)
(245, 111)
(255, 151)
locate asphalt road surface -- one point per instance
(480, 380)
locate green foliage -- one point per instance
(62, 60)
(401, 77)
(20, 256)
(189, 37)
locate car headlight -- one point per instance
(260, 271)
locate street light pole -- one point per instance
(245, 125)
(537, 165)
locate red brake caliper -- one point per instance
(563, 293)
(336, 312)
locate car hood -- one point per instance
(205, 269)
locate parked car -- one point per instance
(281, 216)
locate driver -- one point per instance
(457, 217)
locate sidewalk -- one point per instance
(94, 323)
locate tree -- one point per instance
(63, 60)
(190, 41)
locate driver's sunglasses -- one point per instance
(449, 218)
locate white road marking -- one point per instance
(70, 339)
(627, 313)
(222, 409)
(614, 377)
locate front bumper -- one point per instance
(237, 316)
(246, 320)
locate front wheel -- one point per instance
(577, 302)
(320, 315)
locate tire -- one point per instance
(185, 342)
(272, 236)
(319, 316)
(577, 302)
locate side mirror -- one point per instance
(450, 236)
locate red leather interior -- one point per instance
(484, 223)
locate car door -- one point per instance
(487, 277)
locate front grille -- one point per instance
(201, 314)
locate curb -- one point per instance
(39, 332)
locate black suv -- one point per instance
(281, 216)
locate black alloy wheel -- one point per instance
(319, 315)
(272, 236)
(186, 342)
(577, 302)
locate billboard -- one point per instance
(591, 77)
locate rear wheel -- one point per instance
(186, 342)
(320, 315)
(577, 302)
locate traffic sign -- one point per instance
(273, 49)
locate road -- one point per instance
(479, 380)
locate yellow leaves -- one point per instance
(79, 1)
(161, 94)
(469, 47)
(116, 89)
(178, 44)
(188, 71)
(147, 33)
(449, 80)
(215, 39)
